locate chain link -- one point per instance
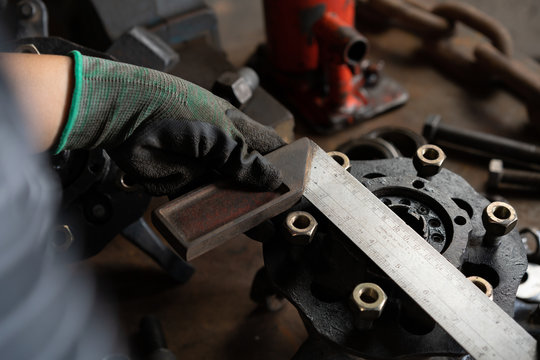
(436, 24)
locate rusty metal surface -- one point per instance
(203, 219)
(212, 317)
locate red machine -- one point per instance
(316, 57)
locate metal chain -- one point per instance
(435, 24)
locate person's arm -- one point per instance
(161, 130)
(43, 85)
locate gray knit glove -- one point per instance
(164, 131)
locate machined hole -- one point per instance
(460, 220)
(418, 184)
(438, 238)
(434, 222)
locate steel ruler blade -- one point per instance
(458, 306)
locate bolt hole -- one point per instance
(418, 184)
(430, 154)
(405, 202)
(460, 220)
(423, 211)
(301, 222)
(434, 222)
(438, 238)
(462, 204)
(387, 201)
(369, 295)
(502, 212)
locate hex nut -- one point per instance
(341, 159)
(300, 227)
(499, 218)
(367, 301)
(428, 160)
(484, 285)
(232, 87)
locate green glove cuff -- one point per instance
(75, 101)
(112, 99)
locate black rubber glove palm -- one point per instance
(166, 155)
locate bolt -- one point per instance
(492, 146)
(499, 175)
(428, 160)
(367, 302)
(483, 285)
(341, 159)
(236, 87)
(301, 227)
(499, 218)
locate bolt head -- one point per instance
(300, 227)
(495, 172)
(499, 218)
(232, 87)
(367, 301)
(428, 160)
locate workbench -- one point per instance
(212, 317)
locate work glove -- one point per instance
(163, 131)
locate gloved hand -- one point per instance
(164, 131)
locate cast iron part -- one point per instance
(319, 278)
(481, 144)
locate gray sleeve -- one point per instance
(47, 310)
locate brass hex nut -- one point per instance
(428, 160)
(300, 227)
(499, 218)
(341, 159)
(367, 301)
(483, 285)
